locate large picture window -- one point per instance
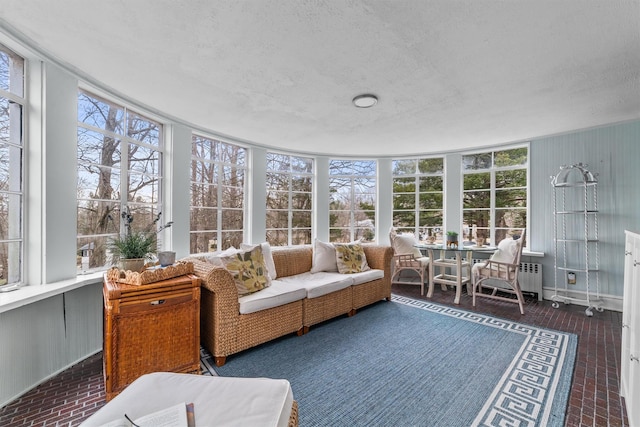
(418, 186)
(289, 207)
(119, 170)
(494, 204)
(218, 172)
(12, 106)
(352, 206)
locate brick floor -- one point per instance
(595, 400)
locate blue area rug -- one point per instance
(415, 363)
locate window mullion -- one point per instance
(492, 208)
(290, 209)
(417, 209)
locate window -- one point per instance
(289, 208)
(418, 197)
(218, 171)
(352, 204)
(494, 200)
(108, 181)
(12, 104)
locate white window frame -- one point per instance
(352, 228)
(218, 241)
(421, 231)
(289, 175)
(13, 274)
(124, 171)
(492, 170)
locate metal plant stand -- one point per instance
(575, 228)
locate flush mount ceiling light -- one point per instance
(365, 101)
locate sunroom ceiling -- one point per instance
(449, 75)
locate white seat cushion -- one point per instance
(220, 401)
(423, 260)
(277, 294)
(368, 276)
(318, 284)
(481, 268)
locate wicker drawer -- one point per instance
(159, 302)
(150, 328)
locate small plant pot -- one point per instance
(132, 264)
(166, 258)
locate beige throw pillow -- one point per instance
(350, 258)
(404, 244)
(507, 251)
(248, 269)
(268, 257)
(324, 257)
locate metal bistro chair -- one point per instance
(406, 257)
(500, 273)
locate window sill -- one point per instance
(33, 293)
(530, 253)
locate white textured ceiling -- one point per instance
(450, 74)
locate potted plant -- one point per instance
(452, 238)
(133, 248)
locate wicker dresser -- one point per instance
(150, 328)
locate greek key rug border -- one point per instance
(525, 393)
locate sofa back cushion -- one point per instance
(324, 257)
(291, 260)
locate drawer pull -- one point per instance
(634, 358)
(158, 302)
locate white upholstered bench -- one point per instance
(218, 401)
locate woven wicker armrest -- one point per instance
(219, 281)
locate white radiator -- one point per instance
(529, 276)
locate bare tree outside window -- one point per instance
(218, 172)
(12, 104)
(107, 180)
(352, 206)
(289, 199)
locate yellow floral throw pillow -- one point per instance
(350, 258)
(249, 270)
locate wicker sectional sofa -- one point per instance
(295, 301)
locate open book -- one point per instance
(180, 415)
